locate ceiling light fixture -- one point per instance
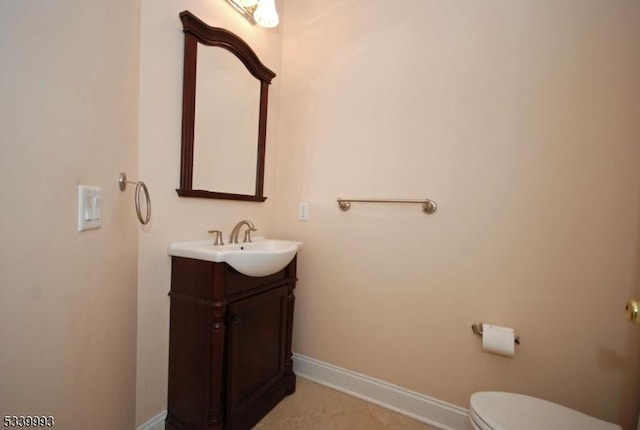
(261, 12)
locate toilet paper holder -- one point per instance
(476, 328)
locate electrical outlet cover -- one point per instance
(303, 211)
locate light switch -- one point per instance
(89, 207)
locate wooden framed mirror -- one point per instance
(224, 115)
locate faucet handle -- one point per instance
(218, 237)
(247, 234)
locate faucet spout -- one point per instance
(233, 238)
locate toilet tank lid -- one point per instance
(507, 411)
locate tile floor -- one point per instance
(316, 407)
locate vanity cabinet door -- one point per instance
(256, 348)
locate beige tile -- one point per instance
(394, 420)
(316, 407)
(349, 420)
(311, 400)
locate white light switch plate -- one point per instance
(89, 207)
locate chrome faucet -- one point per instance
(233, 238)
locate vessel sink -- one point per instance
(261, 257)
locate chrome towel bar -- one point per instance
(428, 206)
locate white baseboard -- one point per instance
(154, 423)
(423, 408)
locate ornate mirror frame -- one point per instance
(196, 31)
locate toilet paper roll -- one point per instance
(498, 340)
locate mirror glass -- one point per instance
(224, 115)
(225, 140)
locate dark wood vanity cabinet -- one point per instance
(229, 345)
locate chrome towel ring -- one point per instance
(140, 186)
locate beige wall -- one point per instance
(68, 116)
(178, 218)
(521, 119)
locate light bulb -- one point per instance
(266, 14)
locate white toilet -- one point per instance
(492, 410)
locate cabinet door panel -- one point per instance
(256, 348)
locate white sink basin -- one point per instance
(261, 257)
